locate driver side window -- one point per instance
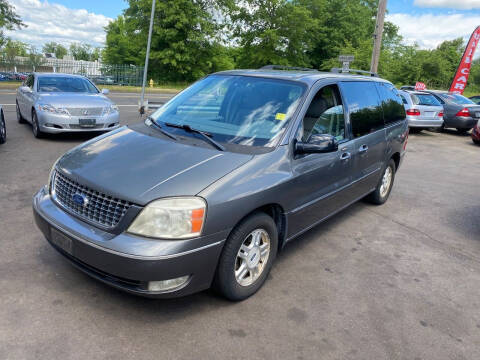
(324, 115)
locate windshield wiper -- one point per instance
(204, 134)
(159, 128)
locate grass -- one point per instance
(162, 88)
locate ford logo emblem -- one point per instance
(80, 200)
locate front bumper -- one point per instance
(125, 261)
(54, 123)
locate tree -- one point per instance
(34, 58)
(52, 47)
(9, 20)
(185, 42)
(85, 52)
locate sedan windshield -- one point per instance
(239, 110)
(65, 84)
(457, 99)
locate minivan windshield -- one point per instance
(457, 99)
(65, 84)
(241, 110)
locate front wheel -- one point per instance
(35, 127)
(381, 193)
(477, 142)
(247, 257)
(3, 129)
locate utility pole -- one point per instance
(145, 70)
(377, 36)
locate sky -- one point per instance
(424, 22)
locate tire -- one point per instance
(3, 129)
(415, 130)
(20, 118)
(35, 127)
(380, 195)
(239, 253)
(477, 142)
(462, 131)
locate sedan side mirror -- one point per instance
(324, 143)
(105, 91)
(25, 89)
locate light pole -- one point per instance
(377, 45)
(145, 70)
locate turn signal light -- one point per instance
(464, 112)
(414, 112)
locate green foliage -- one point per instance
(58, 49)
(84, 52)
(9, 20)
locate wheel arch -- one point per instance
(396, 159)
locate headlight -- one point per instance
(51, 175)
(111, 109)
(171, 218)
(52, 109)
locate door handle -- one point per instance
(363, 149)
(345, 156)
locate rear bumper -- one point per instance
(424, 123)
(97, 253)
(461, 122)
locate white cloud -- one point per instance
(54, 22)
(453, 4)
(429, 30)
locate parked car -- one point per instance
(423, 110)
(407, 87)
(211, 185)
(56, 103)
(475, 99)
(476, 133)
(3, 127)
(103, 80)
(458, 111)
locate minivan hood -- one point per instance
(74, 100)
(140, 168)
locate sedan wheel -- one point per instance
(35, 127)
(252, 257)
(3, 129)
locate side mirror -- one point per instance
(25, 89)
(324, 143)
(105, 91)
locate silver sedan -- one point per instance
(55, 103)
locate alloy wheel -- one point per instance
(252, 257)
(386, 181)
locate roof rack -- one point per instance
(284, 67)
(342, 71)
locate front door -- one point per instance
(321, 181)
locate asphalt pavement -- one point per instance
(399, 281)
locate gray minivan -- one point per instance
(207, 189)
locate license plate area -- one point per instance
(62, 241)
(429, 114)
(87, 123)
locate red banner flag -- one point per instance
(460, 80)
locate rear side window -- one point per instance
(404, 100)
(393, 109)
(366, 115)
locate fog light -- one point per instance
(165, 285)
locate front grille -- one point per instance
(99, 208)
(91, 111)
(96, 126)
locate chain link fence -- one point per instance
(18, 68)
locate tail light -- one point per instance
(414, 112)
(440, 114)
(463, 112)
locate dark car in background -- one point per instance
(211, 185)
(476, 133)
(459, 112)
(475, 99)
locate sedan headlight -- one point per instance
(171, 218)
(52, 174)
(111, 109)
(52, 109)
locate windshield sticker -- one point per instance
(280, 116)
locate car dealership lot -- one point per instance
(400, 281)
